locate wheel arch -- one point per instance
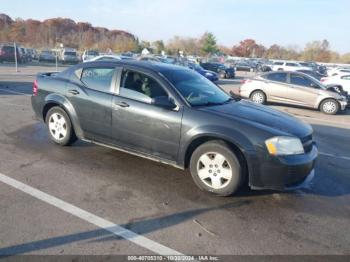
(324, 99)
(237, 149)
(258, 89)
(53, 100)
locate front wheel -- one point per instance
(60, 127)
(329, 107)
(215, 168)
(222, 75)
(258, 97)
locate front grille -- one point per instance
(307, 143)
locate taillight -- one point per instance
(35, 88)
(244, 81)
(323, 79)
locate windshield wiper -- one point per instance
(234, 96)
(209, 103)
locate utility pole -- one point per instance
(15, 48)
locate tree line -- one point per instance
(51, 33)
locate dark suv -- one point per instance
(7, 53)
(222, 70)
(173, 115)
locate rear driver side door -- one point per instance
(276, 87)
(91, 97)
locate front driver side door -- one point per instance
(141, 126)
(303, 90)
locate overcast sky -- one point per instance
(285, 22)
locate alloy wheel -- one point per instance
(214, 170)
(58, 126)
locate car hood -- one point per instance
(203, 72)
(263, 115)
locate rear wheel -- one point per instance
(60, 127)
(258, 97)
(215, 168)
(329, 107)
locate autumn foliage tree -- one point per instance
(49, 33)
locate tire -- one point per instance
(216, 169)
(258, 97)
(60, 127)
(222, 75)
(329, 106)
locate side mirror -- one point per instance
(164, 102)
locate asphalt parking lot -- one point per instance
(158, 203)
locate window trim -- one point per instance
(345, 77)
(119, 82)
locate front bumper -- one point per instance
(285, 172)
(343, 104)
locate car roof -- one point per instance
(148, 65)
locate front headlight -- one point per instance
(209, 74)
(284, 145)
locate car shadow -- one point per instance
(140, 227)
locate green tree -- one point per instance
(158, 46)
(209, 46)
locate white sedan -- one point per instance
(338, 71)
(341, 79)
(288, 66)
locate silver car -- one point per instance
(292, 88)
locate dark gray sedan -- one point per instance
(176, 116)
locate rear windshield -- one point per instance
(70, 53)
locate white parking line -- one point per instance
(336, 124)
(335, 156)
(115, 229)
(14, 92)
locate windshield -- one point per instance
(92, 53)
(196, 89)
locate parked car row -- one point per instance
(22, 54)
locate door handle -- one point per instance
(122, 104)
(73, 92)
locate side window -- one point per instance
(300, 80)
(98, 78)
(277, 77)
(278, 63)
(345, 77)
(291, 64)
(140, 87)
